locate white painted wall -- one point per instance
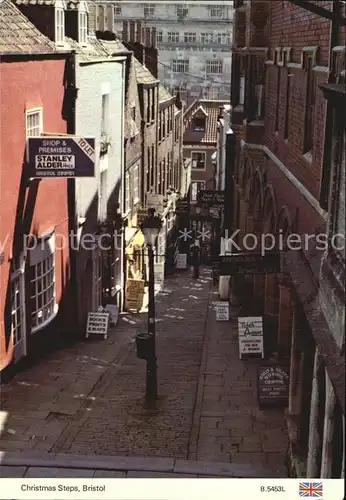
(93, 81)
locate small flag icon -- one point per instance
(311, 490)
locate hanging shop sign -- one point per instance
(212, 198)
(97, 324)
(156, 201)
(64, 156)
(222, 311)
(273, 385)
(181, 207)
(250, 263)
(182, 261)
(250, 331)
(134, 293)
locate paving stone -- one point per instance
(12, 471)
(40, 472)
(109, 474)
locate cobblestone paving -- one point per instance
(89, 399)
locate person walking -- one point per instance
(195, 258)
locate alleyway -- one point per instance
(88, 399)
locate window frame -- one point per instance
(210, 70)
(159, 36)
(31, 112)
(149, 10)
(83, 27)
(59, 28)
(207, 38)
(219, 12)
(196, 152)
(200, 186)
(40, 273)
(190, 37)
(184, 65)
(173, 36)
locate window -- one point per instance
(149, 10)
(173, 36)
(59, 25)
(214, 67)
(135, 179)
(117, 10)
(153, 104)
(213, 93)
(218, 12)
(182, 11)
(223, 38)
(196, 187)
(198, 160)
(180, 66)
(105, 114)
(287, 106)
(127, 201)
(17, 304)
(159, 36)
(42, 282)
(133, 127)
(309, 110)
(34, 125)
(198, 124)
(83, 27)
(190, 37)
(207, 38)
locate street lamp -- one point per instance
(146, 348)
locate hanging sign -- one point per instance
(211, 197)
(65, 156)
(182, 261)
(98, 324)
(250, 330)
(250, 263)
(273, 384)
(222, 311)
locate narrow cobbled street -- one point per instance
(88, 400)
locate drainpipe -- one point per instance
(71, 192)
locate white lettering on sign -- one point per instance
(97, 323)
(54, 146)
(85, 147)
(250, 336)
(54, 162)
(222, 311)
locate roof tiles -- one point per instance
(209, 136)
(18, 35)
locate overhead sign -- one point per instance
(134, 293)
(65, 156)
(98, 324)
(210, 197)
(156, 201)
(222, 311)
(182, 207)
(273, 384)
(250, 331)
(250, 263)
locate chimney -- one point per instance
(151, 53)
(132, 35)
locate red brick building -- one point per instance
(282, 54)
(33, 282)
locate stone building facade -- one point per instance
(283, 54)
(193, 42)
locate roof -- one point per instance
(143, 75)
(164, 95)
(93, 51)
(34, 2)
(18, 35)
(211, 110)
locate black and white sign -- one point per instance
(273, 385)
(250, 330)
(222, 311)
(64, 156)
(211, 197)
(182, 261)
(98, 324)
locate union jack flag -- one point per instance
(311, 490)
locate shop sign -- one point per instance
(142, 214)
(182, 261)
(212, 198)
(156, 201)
(65, 156)
(182, 207)
(250, 331)
(273, 384)
(97, 324)
(134, 293)
(251, 264)
(222, 311)
(159, 275)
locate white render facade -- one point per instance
(194, 44)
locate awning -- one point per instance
(307, 291)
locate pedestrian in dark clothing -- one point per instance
(195, 258)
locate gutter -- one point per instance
(34, 55)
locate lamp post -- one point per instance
(150, 228)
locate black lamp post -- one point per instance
(146, 343)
